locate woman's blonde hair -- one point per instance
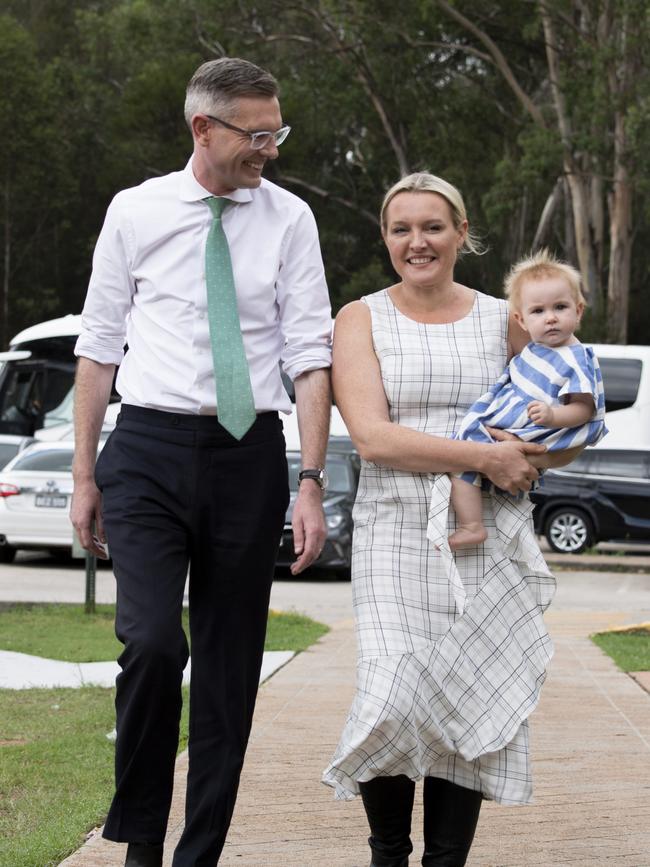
(424, 182)
(537, 266)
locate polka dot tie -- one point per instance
(235, 405)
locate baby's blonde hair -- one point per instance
(537, 266)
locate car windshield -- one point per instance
(56, 460)
(338, 471)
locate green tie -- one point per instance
(235, 405)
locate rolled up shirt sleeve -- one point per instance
(110, 290)
(305, 311)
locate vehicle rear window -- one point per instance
(621, 378)
(7, 452)
(54, 461)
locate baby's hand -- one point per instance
(541, 413)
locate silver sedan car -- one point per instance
(35, 491)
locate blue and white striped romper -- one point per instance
(544, 374)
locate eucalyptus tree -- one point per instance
(595, 99)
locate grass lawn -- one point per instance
(56, 764)
(629, 648)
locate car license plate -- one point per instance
(51, 501)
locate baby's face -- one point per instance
(548, 311)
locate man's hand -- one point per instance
(85, 511)
(506, 464)
(541, 413)
(309, 530)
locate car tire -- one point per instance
(569, 530)
(7, 554)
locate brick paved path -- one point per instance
(590, 744)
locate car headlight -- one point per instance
(334, 520)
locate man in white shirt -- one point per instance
(178, 489)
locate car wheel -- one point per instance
(7, 554)
(569, 531)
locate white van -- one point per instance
(37, 376)
(626, 380)
(37, 379)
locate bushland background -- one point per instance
(539, 110)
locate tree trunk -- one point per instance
(4, 325)
(620, 232)
(574, 177)
(548, 212)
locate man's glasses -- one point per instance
(259, 139)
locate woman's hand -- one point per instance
(506, 465)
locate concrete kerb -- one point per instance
(22, 671)
(598, 562)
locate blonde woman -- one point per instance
(451, 653)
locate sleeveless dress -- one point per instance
(452, 648)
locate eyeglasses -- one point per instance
(258, 139)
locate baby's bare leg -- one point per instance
(548, 460)
(468, 505)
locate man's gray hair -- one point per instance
(216, 85)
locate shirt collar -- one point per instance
(192, 191)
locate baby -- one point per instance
(551, 393)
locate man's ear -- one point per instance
(201, 127)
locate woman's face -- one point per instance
(421, 238)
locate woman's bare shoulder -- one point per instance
(352, 314)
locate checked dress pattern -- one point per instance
(453, 649)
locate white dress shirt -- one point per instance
(147, 289)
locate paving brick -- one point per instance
(590, 741)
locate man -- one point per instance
(212, 276)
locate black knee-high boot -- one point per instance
(450, 819)
(388, 802)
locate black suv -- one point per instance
(342, 467)
(602, 496)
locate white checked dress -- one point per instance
(452, 648)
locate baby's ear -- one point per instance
(519, 319)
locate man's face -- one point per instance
(226, 160)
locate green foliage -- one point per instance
(365, 281)
(56, 774)
(630, 649)
(288, 630)
(66, 632)
(91, 101)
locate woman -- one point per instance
(452, 650)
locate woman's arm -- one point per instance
(360, 397)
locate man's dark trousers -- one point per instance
(179, 490)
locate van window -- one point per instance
(581, 464)
(630, 464)
(621, 378)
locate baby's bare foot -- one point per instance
(468, 537)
